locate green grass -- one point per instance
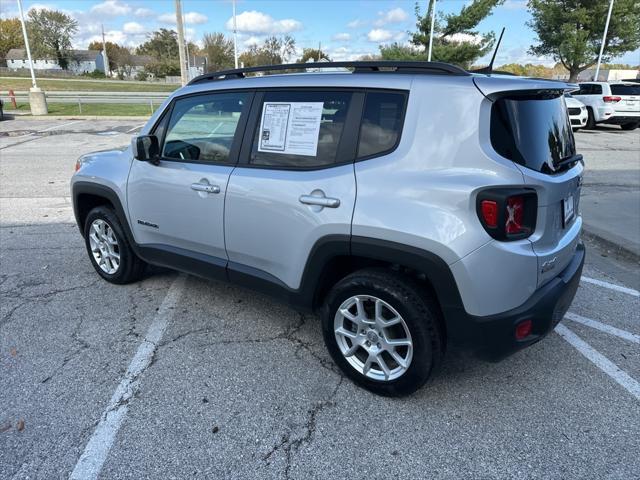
(24, 84)
(101, 109)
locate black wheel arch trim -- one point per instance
(324, 250)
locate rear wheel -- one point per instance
(382, 331)
(109, 251)
(629, 126)
(591, 121)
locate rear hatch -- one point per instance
(530, 125)
(629, 103)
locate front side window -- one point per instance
(533, 132)
(300, 129)
(381, 123)
(202, 128)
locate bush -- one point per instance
(141, 76)
(95, 74)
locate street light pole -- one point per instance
(37, 99)
(433, 21)
(604, 38)
(181, 50)
(26, 44)
(235, 35)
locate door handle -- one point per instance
(204, 187)
(320, 201)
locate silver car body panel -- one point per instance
(422, 194)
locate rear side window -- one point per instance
(381, 123)
(617, 89)
(300, 129)
(533, 132)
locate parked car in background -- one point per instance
(616, 103)
(577, 112)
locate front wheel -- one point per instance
(382, 329)
(110, 253)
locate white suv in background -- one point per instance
(614, 103)
(577, 112)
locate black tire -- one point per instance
(629, 126)
(591, 121)
(131, 267)
(420, 314)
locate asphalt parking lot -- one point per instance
(181, 377)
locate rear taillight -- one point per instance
(508, 213)
(523, 329)
(611, 99)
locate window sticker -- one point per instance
(290, 127)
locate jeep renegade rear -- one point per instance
(408, 218)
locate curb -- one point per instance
(617, 250)
(78, 117)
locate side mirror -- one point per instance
(146, 148)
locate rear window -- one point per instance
(617, 89)
(533, 132)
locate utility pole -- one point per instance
(235, 35)
(433, 22)
(37, 99)
(604, 38)
(105, 58)
(181, 50)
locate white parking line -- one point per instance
(603, 327)
(98, 446)
(611, 286)
(600, 361)
(60, 126)
(139, 126)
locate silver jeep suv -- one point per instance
(413, 205)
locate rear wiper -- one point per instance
(571, 159)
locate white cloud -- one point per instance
(111, 8)
(190, 18)
(341, 37)
(133, 27)
(395, 15)
(144, 13)
(515, 5)
(465, 37)
(260, 23)
(357, 23)
(252, 40)
(379, 35)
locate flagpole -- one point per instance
(604, 38)
(433, 21)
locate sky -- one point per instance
(346, 29)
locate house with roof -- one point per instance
(80, 61)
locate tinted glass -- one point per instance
(625, 89)
(202, 128)
(335, 106)
(535, 133)
(381, 123)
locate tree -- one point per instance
(10, 36)
(162, 46)
(571, 31)
(274, 51)
(113, 50)
(219, 52)
(455, 39)
(50, 33)
(397, 51)
(313, 54)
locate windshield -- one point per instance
(622, 89)
(533, 132)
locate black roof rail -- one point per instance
(436, 68)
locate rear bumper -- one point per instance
(493, 337)
(622, 119)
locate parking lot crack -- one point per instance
(290, 445)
